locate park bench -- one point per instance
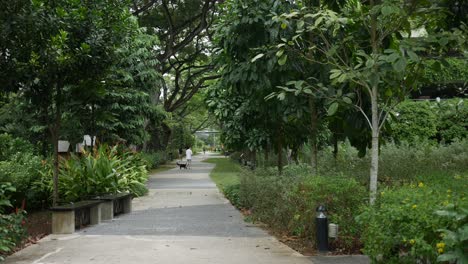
(69, 217)
(114, 204)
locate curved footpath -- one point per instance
(183, 219)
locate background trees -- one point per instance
(348, 55)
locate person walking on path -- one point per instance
(204, 151)
(188, 155)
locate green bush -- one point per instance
(231, 192)
(403, 227)
(288, 202)
(11, 225)
(454, 243)
(104, 170)
(398, 163)
(453, 120)
(12, 231)
(415, 121)
(445, 121)
(21, 167)
(154, 159)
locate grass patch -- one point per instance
(161, 168)
(226, 173)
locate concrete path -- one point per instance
(184, 219)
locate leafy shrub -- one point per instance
(288, 202)
(154, 159)
(415, 120)
(454, 244)
(12, 231)
(10, 146)
(403, 228)
(6, 189)
(11, 225)
(231, 192)
(453, 120)
(101, 171)
(19, 166)
(444, 121)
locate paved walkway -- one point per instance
(184, 219)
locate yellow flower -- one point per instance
(449, 191)
(420, 185)
(440, 245)
(414, 206)
(412, 241)
(440, 250)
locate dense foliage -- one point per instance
(102, 171)
(432, 177)
(288, 202)
(405, 227)
(444, 121)
(20, 166)
(11, 225)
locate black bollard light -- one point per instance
(321, 226)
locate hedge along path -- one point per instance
(184, 219)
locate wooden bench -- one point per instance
(114, 204)
(69, 217)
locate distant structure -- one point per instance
(205, 134)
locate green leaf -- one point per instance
(413, 56)
(447, 257)
(300, 24)
(335, 74)
(347, 100)
(281, 96)
(279, 53)
(282, 60)
(284, 25)
(388, 93)
(257, 57)
(399, 65)
(393, 57)
(332, 109)
(387, 10)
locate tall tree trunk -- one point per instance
(374, 169)
(335, 147)
(313, 135)
(93, 126)
(55, 134)
(280, 151)
(375, 122)
(266, 155)
(55, 138)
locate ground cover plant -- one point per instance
(287, 202)
(413, 223)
